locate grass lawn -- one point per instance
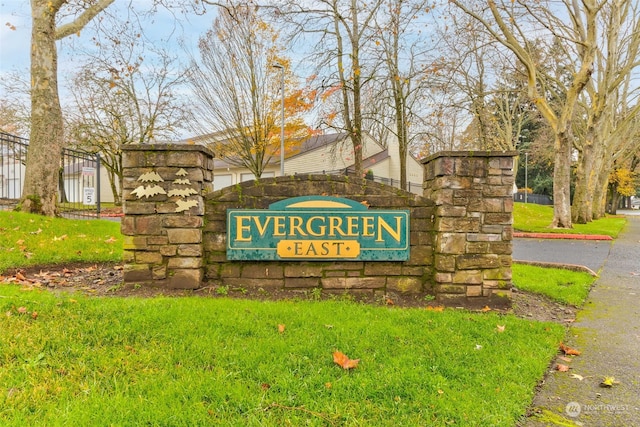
(530, 217)
(27, 239)
(566, 286)
(75, 360)
(78, 360)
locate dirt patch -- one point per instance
(106, 280)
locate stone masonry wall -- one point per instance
(473, 242)
(460, 230)
(413, 276)
(163, 193)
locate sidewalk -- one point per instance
(607, 332)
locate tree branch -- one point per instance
(81, 21)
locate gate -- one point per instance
(79, 184)
(13, 157)
(78, 178)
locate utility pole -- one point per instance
(281, 118)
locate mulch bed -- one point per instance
(106, 280)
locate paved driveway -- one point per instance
(589, 253)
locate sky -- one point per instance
(162, 29)
(169, 30)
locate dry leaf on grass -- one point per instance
(562, 368)
(281, 328)
(343, 360)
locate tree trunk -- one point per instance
(562, 182)
(600, 194)
(587, 178)
(114, 188)
(63, 191)
(40, 190)
(615, 199)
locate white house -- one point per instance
(329, 154)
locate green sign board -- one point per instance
(318, 228)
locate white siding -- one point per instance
(329, 157)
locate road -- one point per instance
(589, 253)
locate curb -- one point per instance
(562, 236)
(571, 267)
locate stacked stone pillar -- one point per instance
(163, 195)
(473, 193)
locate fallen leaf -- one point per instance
(562, 368)
(34, 315)
(281, 328)
(486, 308)
(343, 360)
(38, 231)
(28, 255)
(566, 359)
(20, 276)
(609, 382)
(265, 386)
(63, 237)
(578, 377)
(20, 242)
(388, 301)
(501, 328)
(327, 385)
(568, 350)
(435, 308)
(478, 347)
(22, 310)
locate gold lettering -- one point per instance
(321, 230)
(393, 233)
(352, 226)
(367, 226)
(295, 226)
(240, 228)
(262, 227)
(279, 226)
(335, 222)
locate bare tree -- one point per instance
(575, 25)
(342, 33)
(15, 114)
(46, 136)
(237, 87)
(128, 95)
(608, 108)
(404, 52)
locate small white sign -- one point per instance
(88, 171)
(89, 196)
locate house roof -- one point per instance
(313, 143)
